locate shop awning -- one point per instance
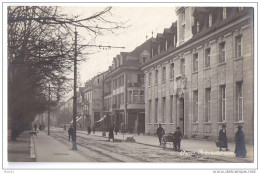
(101, 119)
(77, 119)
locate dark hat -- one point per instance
(223, 126)
(178, 128)
(239, 127)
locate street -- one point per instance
(95, 148)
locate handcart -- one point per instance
(168, 140)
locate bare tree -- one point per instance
(40, 53)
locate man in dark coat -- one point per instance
(93, 128)
(223, 138)
(89, 130)
(177, 135)
(160, 132)
(111, 133)
(240, 149)
(70, 131)
(35, 127)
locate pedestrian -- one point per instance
(93, 128)
(89, 130)
(122, 127)
(160, 132)
(70, 131)
(223, 138)
(177, 135)
(138, 129)
(35, 127)
(240, 149)
(111, 134)
(115, 128)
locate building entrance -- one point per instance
(181, 115)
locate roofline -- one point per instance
(195, 40)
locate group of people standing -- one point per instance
(240, 149)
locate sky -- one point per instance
(142, 21)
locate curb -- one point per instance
(32, 149)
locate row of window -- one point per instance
(222, 53)
(222, 103)
(118, 82)
(225, 12)
(135, 96)
(118, 100)
(164, 47)
(163, 110)
(88, 96)
(207, 106)
(164, 73)
(222, 59)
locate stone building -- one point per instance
(93, 100)
(207, 78)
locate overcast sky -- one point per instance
(143, 20)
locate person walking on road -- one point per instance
(35, 127)
(89, 130)
(70, 131)
(160, 132)
(111, 133)
(177, 135)
(223, 138)
(115, 128)
(93, 128)
(240, 149)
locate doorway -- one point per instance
(181, 115)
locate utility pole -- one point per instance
(74, 143)
(49, 110)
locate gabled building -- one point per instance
(124, 90)
(206, 79)
(92, 101)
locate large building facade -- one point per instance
(206, 78)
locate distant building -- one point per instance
(92, 100)
(124, 90)
(207, 78)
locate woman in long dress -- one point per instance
(240, 149)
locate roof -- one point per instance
(167, 30)
(159, 35)
(140, 49)
(214, 28)
(124, 54)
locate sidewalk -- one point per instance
(19, 151)
(48, 149)
(188, 145)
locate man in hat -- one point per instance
(240, 149)
(177, 139)
(70, 132)
(223, 138)
(160, 132)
